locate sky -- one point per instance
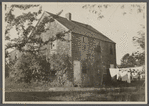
(118, 27)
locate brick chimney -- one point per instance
(68, 16)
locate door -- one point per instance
(77, 73)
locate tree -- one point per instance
(32, 64)
(62, 66)
(135, 59)
(99, 9)
(139, 40)
(31, 67)
(128, 61)
(9, 67)
(139, 58)
(23, 24)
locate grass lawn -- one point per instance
(73, 96)
(93, 95)
(117, 92)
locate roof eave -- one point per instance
(94, 37)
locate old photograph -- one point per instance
(74, 52)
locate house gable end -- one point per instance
(52, 28)
(61, 27)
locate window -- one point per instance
(111, 50)
(98, 48)
(84, 68)
(53, 44)
(83, 40)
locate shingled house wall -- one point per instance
(62, 47)
(97, 62)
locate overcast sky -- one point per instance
(118, 27)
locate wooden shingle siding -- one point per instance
(98, 62)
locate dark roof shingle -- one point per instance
(81, 28)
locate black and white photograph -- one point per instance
(74, 52)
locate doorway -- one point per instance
(77, 73)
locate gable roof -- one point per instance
(80, 28)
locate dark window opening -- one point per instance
(98, 49)
(84, 68)
(83, 39)
(111, 51)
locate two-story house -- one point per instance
(91, 52)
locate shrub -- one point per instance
(31, 68)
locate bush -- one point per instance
(28, 67)
(9, 68)
(33, 69)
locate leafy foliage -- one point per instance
(135, 59)
(26, 33)
(140, 40)
(9, 67)
(12, 20)
(29, 67)
(61, 64)
(23, 24)
(35, 67)
(128, 61)
(98, 9)
(23, 7)
(139, 58)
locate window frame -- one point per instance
(83, 39)
(111, 49)
(53, 45)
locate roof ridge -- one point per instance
(79, 23)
